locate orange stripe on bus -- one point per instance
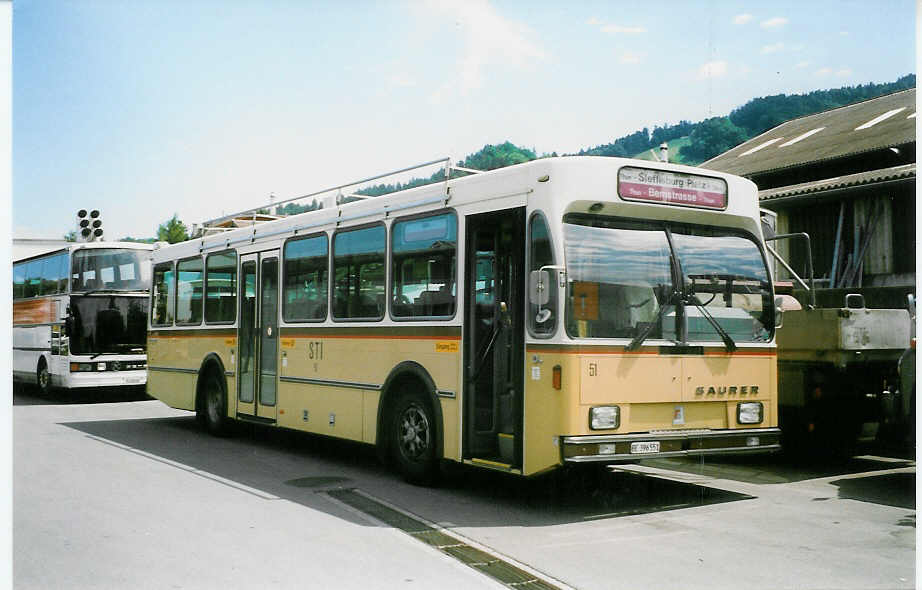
(371, 337)
(622, 352)
(312, 337)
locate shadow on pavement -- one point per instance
(778, 468)
(24, 396)
(891, 489)
(296, 466)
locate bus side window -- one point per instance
(305, 267)
(540, 254)
(19, 280)
(59, 272)
(221, 288)
(358, 273)
(189, 291)
(33, 278)
(161, 294)
(423, 267)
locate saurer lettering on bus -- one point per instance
(728, 390)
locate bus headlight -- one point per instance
(80, 367)
(604, 417)
(749, 413)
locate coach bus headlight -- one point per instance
(80, 367)
(749, 413)
(604, 417)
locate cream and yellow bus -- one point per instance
(566, 310)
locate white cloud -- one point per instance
(844, 33)
(402, 80)
(844, 72)
(774, 48)
(593, 22)
(713, 69)
(631, 58)
(824, 71)
(774, 23)
(802, 64)
(614, 29)
(489, 40)
(742, 19)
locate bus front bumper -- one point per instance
(614, 448)
(105, 379)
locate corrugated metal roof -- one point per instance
(848, 130)
(906, 171)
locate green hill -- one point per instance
(689, 143)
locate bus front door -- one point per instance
(257, 337)
(494, 338)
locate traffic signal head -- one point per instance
(89, 224)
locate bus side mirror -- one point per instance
(539, 285)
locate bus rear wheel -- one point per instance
(413, 439)
(43, 377)
(212, 409)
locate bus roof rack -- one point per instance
(259, 214)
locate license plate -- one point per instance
(134, 380)
(644, 447)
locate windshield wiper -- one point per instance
(728, 341)
(102, 353)
(638, 340)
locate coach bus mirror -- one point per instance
(779, 312)
(539, 287)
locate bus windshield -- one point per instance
(108, 324)
(623, 281)
(110, 269)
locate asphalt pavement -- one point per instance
(132, 494)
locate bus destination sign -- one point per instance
(671, 188)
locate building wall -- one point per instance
(889, 256)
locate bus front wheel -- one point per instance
(43, 377)
(413, 439)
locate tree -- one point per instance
(501, 155)
(173, 231)
(761, 114)
(71, 236)
(711, 137)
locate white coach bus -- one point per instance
(80, 316)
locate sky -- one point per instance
(146, 109)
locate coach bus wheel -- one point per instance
(213, 408)
(413, 440)
(43, 377)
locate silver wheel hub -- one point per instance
(414, 433)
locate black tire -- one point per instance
(43, 377)
(212, 406)
(413, 439)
